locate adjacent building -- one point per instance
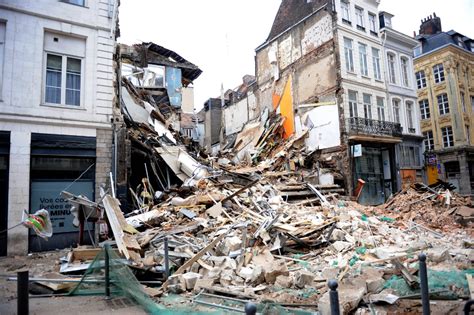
(351, 83)
(402, 100)
(444, 69)
(56, 100)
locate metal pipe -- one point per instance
(425, 298)
(334, 297)
(167, 261)
(107, 272)
(76, 280)
(220, 306)
(22, 292)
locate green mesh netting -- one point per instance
(450, 284)
(123, 282)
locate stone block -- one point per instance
(303, 278)
(275, 269)
(349, 299)
(284, 282)
(190, 279)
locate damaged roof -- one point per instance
(291, 12)
(146, 53)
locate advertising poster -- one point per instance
(47, 195)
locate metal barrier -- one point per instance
(425, 298)
(334, 297)
(23, 285)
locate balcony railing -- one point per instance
(366, 126)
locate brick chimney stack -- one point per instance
(431, 25)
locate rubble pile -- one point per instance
(256, 224)
(441, 208)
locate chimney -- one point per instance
(431, 25)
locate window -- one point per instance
(372, 23)
(428, 141)
(348, 54)
(391, 68)
(424, 109)
(367, 106)
(353, 104)
(472, 104)
(360, 18)
(409, 106)
(345, 11)
(420, 79)
(448, 139)
(468, 135)
(376, 63)
(396, 110)
(77, 2)
(2, 51)
(363, 59)
(380, 109)
(61, 69)
(443, 104)
(404, 64)
(463, 103)
(63, 76)
(438, 72)
(188, 132)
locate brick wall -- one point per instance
(103, 165)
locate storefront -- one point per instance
(4, 162)
(60, 163)
(374, 164)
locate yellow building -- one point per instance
(444, 70)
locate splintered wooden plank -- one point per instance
(196, 257)
(110, 205)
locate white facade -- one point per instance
(401, 84)
(361, 55)
(57, 79)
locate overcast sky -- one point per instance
(220, 36)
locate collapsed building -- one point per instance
(153, 80)
(326, 68)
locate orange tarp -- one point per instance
(286, 110)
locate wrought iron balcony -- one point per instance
(358, 125)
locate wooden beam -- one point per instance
(196, 257)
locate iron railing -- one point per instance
(358, 125)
